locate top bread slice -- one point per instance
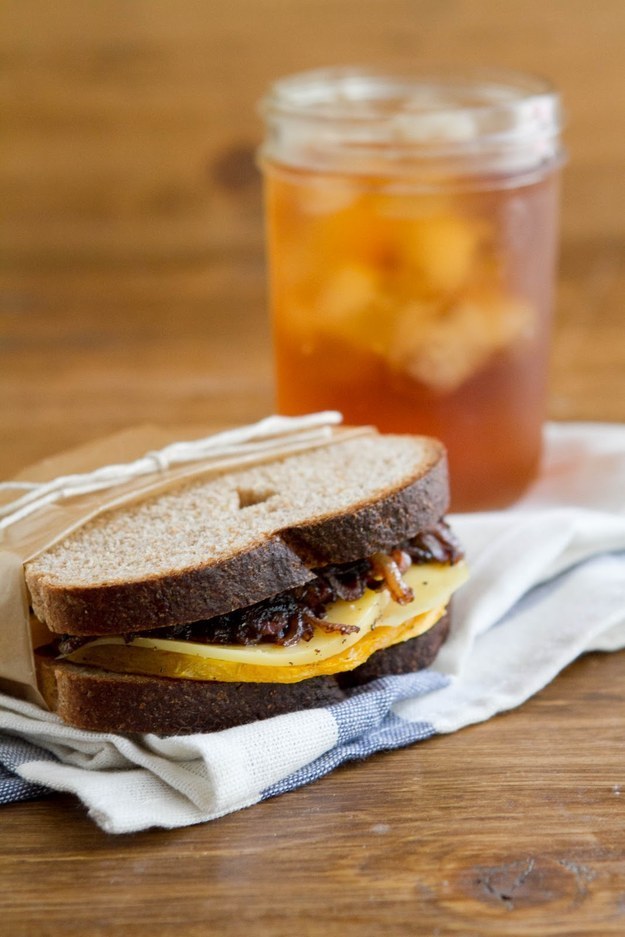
(216, 545)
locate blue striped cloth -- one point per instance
(15, 752)
(365, 725)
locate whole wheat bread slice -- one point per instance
(231, 541)
(110, 702)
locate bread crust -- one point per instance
(281, 562)
(108, 702)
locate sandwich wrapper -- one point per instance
(547, 584)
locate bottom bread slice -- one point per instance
(102, 701)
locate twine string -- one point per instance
(269, 433)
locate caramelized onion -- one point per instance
(386, 568)
(330, 627)
(292, 616)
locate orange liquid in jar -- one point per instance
(419, 313)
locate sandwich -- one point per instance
(252, 593)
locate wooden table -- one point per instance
(133, 290)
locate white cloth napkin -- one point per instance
(547, 584)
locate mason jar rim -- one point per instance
(504, 117)
(360, 93)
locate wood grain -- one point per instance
(133, 289)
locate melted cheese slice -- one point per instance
(381, 623)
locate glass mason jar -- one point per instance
(412, 234)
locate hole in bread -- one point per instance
(250, 496)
